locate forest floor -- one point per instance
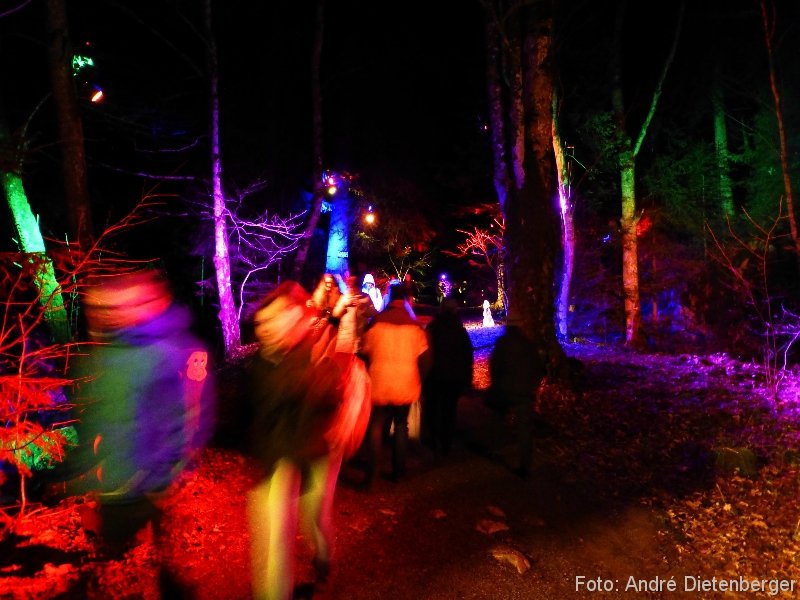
(653, 469)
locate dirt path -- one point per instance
(616, 465)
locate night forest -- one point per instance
(618, 176)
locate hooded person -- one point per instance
(370, 289)
(145, 402)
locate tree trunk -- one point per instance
(31, 242)
(495, 97)
(566, 210)
(318, 191)
(769, 25)
(70, 127)
(532, 222)
(231, 332)
(634, 336)
(723, 155)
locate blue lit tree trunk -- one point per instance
(337, 260)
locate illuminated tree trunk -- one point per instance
(497, 129)
(31, 242)
(70, 128)
(769, 25)
(723, 155)
(566, 210)
(626, 161)
(532, 222)
(318, 191)
(231, 332)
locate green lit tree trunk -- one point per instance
(31, 242)
(231, 332)
(723, 155)
(318, 191)
(70, 127)
(626, 161)
(769, 24)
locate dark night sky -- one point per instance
(403, 87)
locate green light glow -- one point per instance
(42, 455)
(81, 62)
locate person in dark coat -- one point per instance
(294, 394)
(449, 377)
(516, 369)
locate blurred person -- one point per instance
(354, 310)
(145, 405)
(325, 296)
(368, 287)
(293, 395)
(407, 294)
(516, 369)
(449, 377)
(394, 347)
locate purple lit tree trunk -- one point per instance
(70, 127)
(626, 161)
(318, 190)
(231, 332)
(566, 209)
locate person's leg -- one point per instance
(374, 439)
(524, 415)
(316, 508)
(447, 414)
(272, 517)
(400, 440)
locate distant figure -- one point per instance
(369, 288)
(516, 369)
(294, 396)
(449, 377)
(393, 347)
(325, 296)
(407, 294)
(443, 289)
(488, 320)
(146, 402)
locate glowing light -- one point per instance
(80, 62)
(369, 218)
(332, 190)
(97, 95)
